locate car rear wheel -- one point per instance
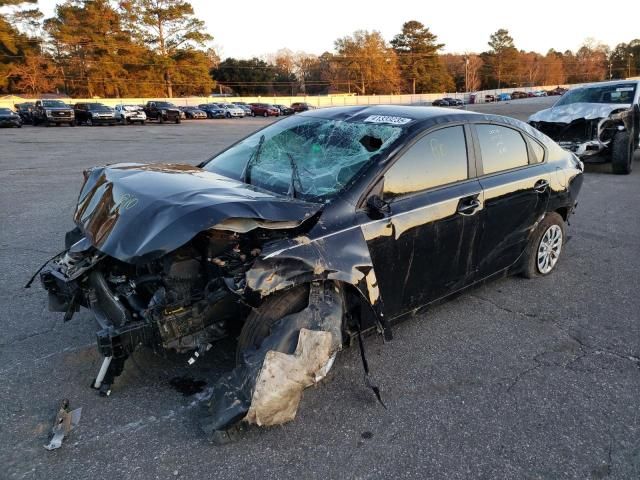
(545, 246)
(89, 122)
(260, 321)
(622, 153)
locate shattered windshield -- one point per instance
(305, 157)
(620, 93)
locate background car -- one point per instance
(489, 98)
(557, 91)
(129, 114)
(94, 114)
(24, 109)
(213, 110)
(301, 106)
(232, 111)
(454, 102)
(245, 108)
(284, 110)
(52, 112)
(264, 110)
(162, 111)
(518, 94)
(503, 97)
(194, 113)
(440, 102)
(9, 118)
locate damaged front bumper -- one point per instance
(589, 131)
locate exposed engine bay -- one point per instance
(585, 136)
(180, 301)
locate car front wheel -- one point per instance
(545, 247)
(261, 320)
(622, 153)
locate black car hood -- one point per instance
(137, 212)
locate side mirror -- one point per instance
(377, 207)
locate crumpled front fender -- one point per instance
(342, 256)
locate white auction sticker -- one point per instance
(624, 89)
(387, 119)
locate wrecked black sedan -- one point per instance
(599, 122)
(305, 234)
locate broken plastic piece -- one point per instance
(266, 387)
(65, 422)
(283, 377)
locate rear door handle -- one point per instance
(541, 186)
(468, 205)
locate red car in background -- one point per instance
(264, 110)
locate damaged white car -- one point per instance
(599, 122)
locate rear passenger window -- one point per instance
(436, 159)
(502, 148)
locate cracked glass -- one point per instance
(306, 157)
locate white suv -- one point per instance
(129, 114)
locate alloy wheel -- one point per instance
(549, 249)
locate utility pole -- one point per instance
(466, 74)
(629, 64)
(609, 69)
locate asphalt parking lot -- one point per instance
(516, 379)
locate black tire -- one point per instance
(89, 122)
(265, 114)
(178, 120)
(72, 124)
(161, 119)
(529, 261)
(253, 114)
(260, 321)
(228, 115)
(622, 153)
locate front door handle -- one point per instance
(541, 186)
(468, 206)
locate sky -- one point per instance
(248, 28)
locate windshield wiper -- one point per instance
(245, 177)
(295, 176)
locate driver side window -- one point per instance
(437, 159)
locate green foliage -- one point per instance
(367, 64)
(418, 59)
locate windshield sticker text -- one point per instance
(386, 119)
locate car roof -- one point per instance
(421, 118)
(610, 82)
(417, 113)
